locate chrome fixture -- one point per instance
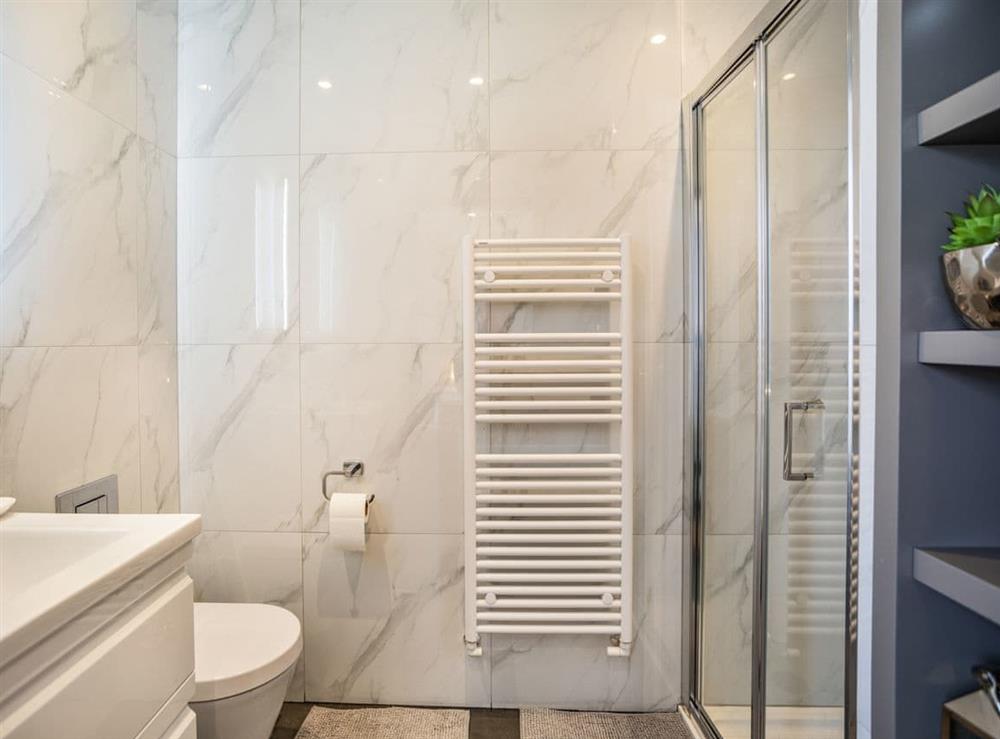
(805, 406)
(350, 469)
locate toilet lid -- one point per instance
(241, 646)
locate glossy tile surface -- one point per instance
(69, 225)
(398, 603)
(237, 257)
(421, 86)
(237, 75)
(69, 417)
(239, 436)
(156, 62)
(156, 257)
(84, 49)
(158, 433)
(398, 407)
(584, 75)
(381, 236)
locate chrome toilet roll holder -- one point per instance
(350, 469)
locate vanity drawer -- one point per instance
(114, 683)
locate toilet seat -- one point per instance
(241, 646)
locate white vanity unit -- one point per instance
(96, 626)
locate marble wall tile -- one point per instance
(69, 219)
(85, 49)
(156, 259)
(239, 436)
(251, 567)
(156, 61)
(710, 27)
(385, 626)
(659, 436)
(730, 434)
(398, 407)
(727, 619)
(238, 250)
(576, 673)
(238, 70)
(68, 416)
(591, 193)
(584, 75)
(381, 236)
(158, 435)
(412, 89)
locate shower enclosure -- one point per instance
(773, 386)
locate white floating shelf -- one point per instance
(970, 347)
(973, 710)
(968, 576)
(970, 116)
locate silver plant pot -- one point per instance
(973, 279)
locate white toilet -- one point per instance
(244, 657)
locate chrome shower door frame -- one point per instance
(751, 48)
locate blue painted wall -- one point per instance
(949, 476)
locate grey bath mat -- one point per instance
(384, 723)
(543, 723)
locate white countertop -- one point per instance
(55, 566)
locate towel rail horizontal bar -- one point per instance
(582, 457)
(544, 405)
(550, 282)
(542, 390)
(548, 418)
(532, 616)
(542, 350)
(548, 471)
(601, 241)
(595, 603)
(494, 551)
(516, 338)
(527, 512)
(539, 269)
(548, 485)
(527, 364)
(547, 538)
(551, 564)
(569, 577)
(598, 590)
(552, 297)
(544, 498)
(549, 377)
(554, 525)
(546, 629)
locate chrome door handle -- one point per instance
(790, 408)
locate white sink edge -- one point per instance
(38, 612)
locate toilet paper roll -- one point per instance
(348, 516)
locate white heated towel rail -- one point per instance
(548, 536)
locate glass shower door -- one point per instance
(810, 298)
(729, 208)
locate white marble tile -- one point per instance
(397, 407)
(590, 193)
(239, 436)
(710, 27)
(575, 671)
(84, 48)
(69, 219)
(584, 75)
(156, 62)
(158, 437)
(659, 438)
(237, 79)
(237, 260)
(251, 567)
(727, 619)
(381, 236)
(156, 260)
(730, 433)
(386, 625)
(394, 76)
(68, 416)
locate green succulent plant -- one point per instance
(980, 224)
